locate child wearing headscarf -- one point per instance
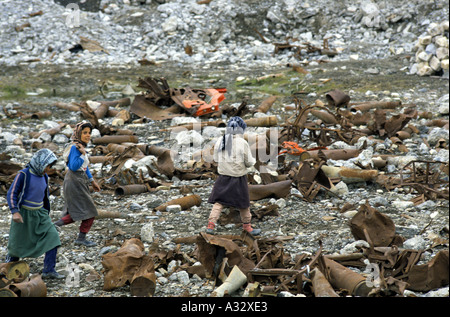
(32, 232)
(79, 204)
(233, 156)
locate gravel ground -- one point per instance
(373, 64)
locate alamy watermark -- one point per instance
(373, 279)
(263, 147)
(73, 275)
(72, 15)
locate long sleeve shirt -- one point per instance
(29, 191)
(78, 162)
(238, 162)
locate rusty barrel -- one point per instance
(185, 202)
(101, 110)
(344, 278)
(34, 287)
(115, 139)
(321, 286)
(349, 175)
(131, 189)
(366, 106)
(324, 116)
(337, 98)
(277, 189)
(41, 114)
(268, 121)
(266, 104)
(335, 154)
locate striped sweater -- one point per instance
(29, 191)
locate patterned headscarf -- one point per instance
(76, 136)
(234, 126)
(40, 160)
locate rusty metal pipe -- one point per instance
(277, 189)
(324, 116)
(321, 286)
(41, 114)
(185, 202)
(402, 135)
(344, 278)
(121, 148)
(335, 154)
(101, 110)
(131, 189)
(337, 98)
(396, 140)
(115, 139)
(266, 104)
(123, 102)
(99, 159)
(68, 106)
(349, 175)
(158, 150)
(366, 106)
(268, 121)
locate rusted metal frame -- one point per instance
(413, 163)
(263, 257)
(427, 187)
(296, 274)
(339, 133)
(284, 285)
(405, 267)
(305, 110)
(424, 190)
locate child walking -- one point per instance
(79, 204)
(32, 232)
(233, 156)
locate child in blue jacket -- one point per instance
(32, 232)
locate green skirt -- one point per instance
(35, 236)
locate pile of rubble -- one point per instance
(258, 33)
(431, 51)
(320, 150)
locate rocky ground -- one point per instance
(375, 74)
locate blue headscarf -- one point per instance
(40, 160)
(234, 126)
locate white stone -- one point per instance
(435, 29)
(339, 189)
(423, 56)
(415, 243)
(425, 40)
(188, 137)
(425, 70)
(441, 41)
(147, 232)
(435, 64)
(170, 25)
(442, 53)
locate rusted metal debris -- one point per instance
(428, 179)
(16, 281)
(355, 120)
(325, 50)
(267, 268)
(261, 266)
(130, 265)
(159, 101)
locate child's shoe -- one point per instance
(210, 227)
(248, 227)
